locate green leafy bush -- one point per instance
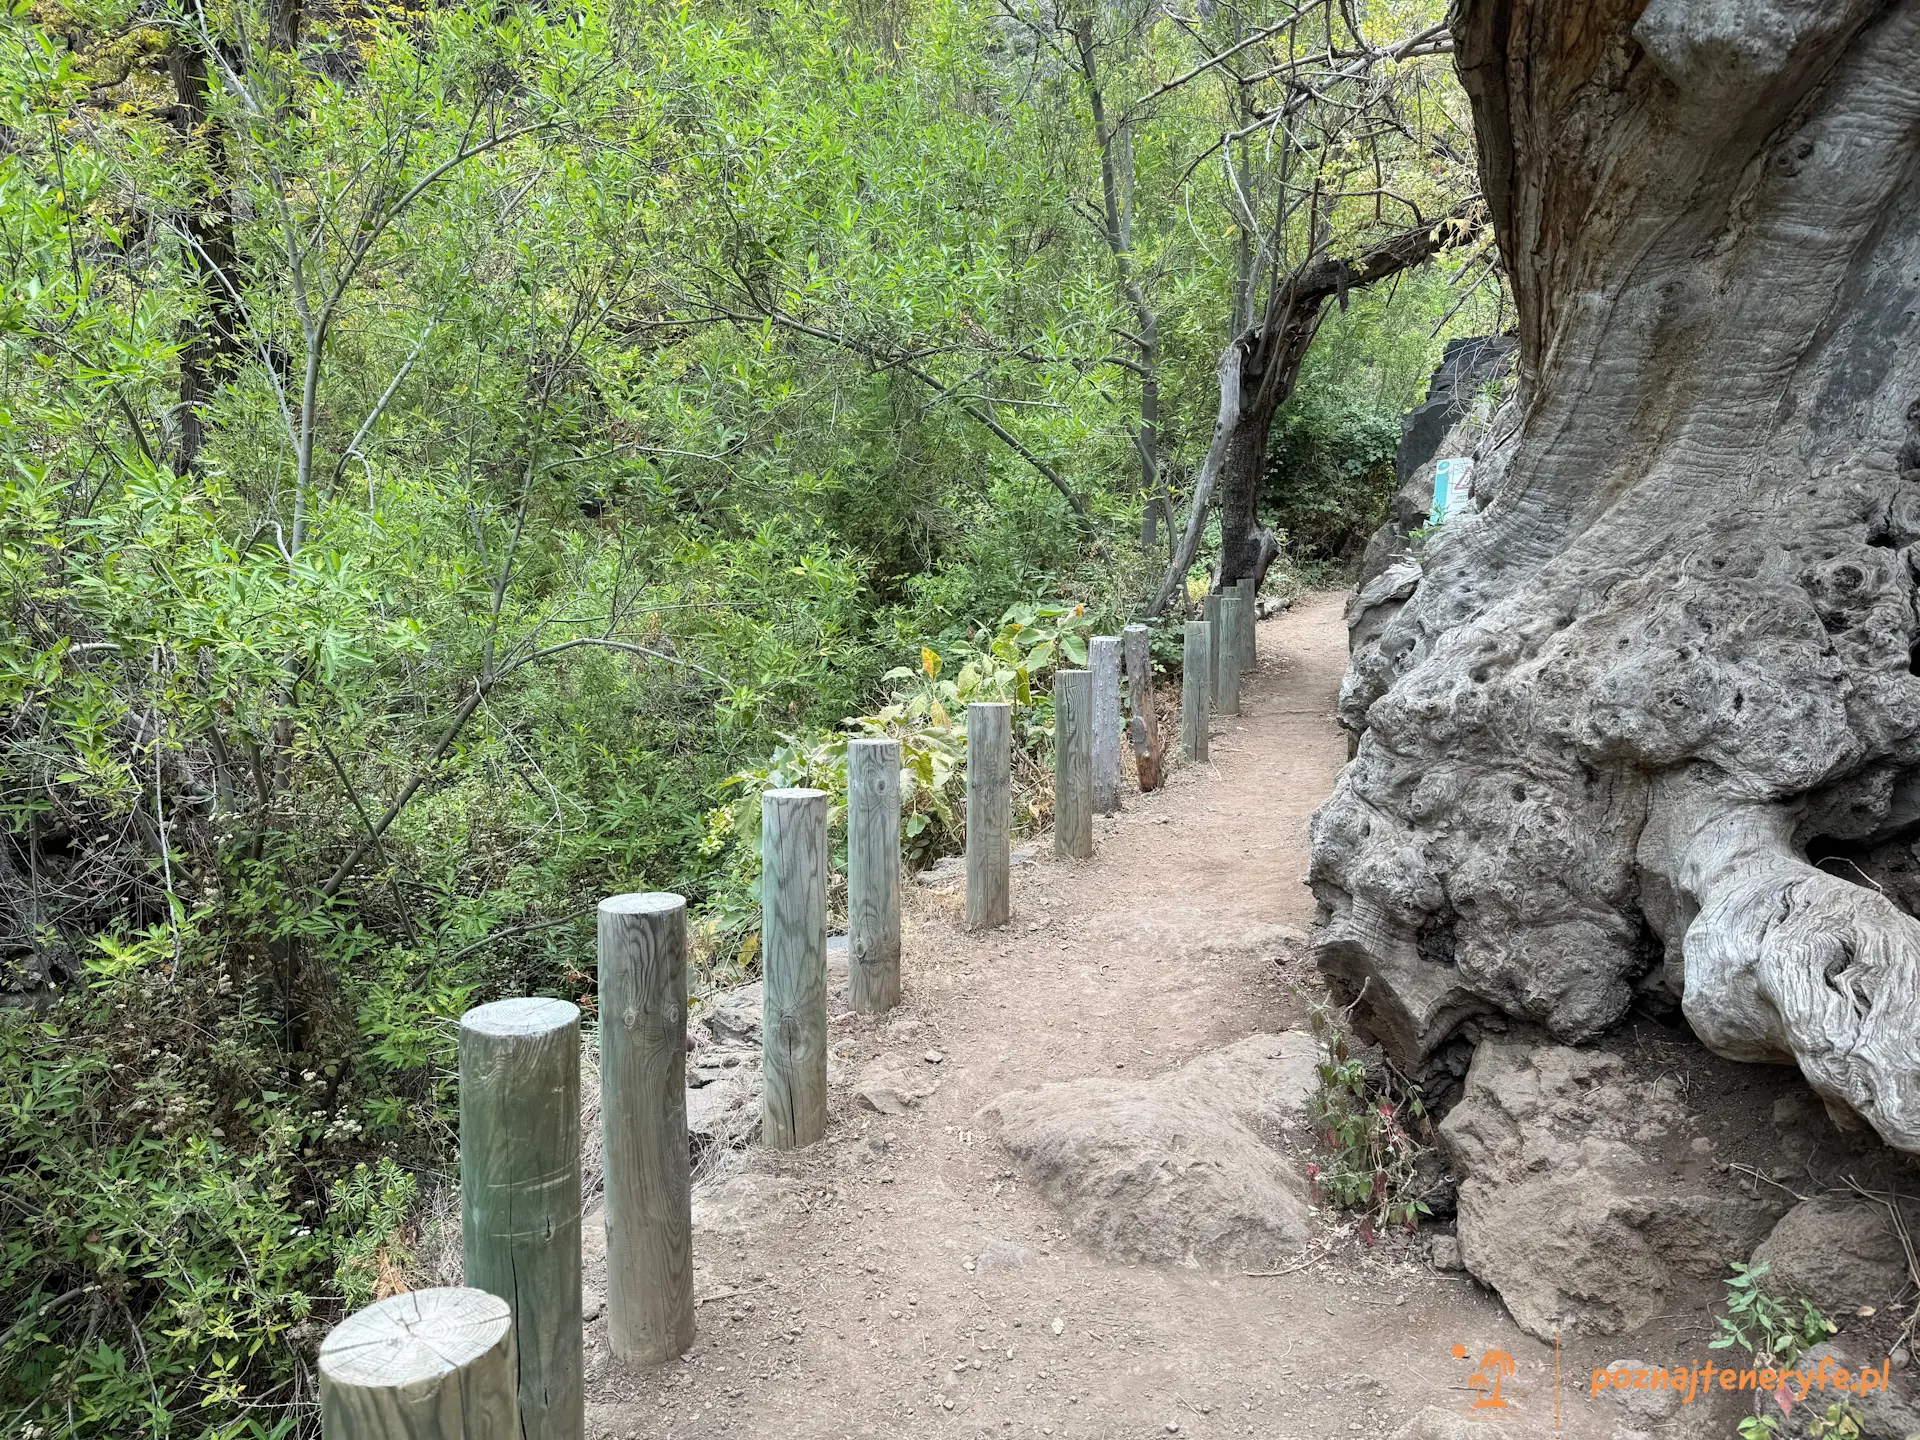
(1370, 1152)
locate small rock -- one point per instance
(742, 1204)
(1173, 1427)
(890, 1085)
(1003, 1255)
(1022, 856)
(942, 873)
(1888, 1414)
(933, 1057)
(592, 1305)
(1059, 1326)
(1649, 1405)
(1840, 1254)
(1434, 1423)
(1444, 1251)
(1701, 1145)
(733, 1016)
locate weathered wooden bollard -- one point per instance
(989, 813)
(422, 1365)
(793, 964)
(1144, 727)
(1210, 612)
(520, 1193)
(1228, 636)
(1103, 664)
(1196, 685)
(873, 875)
(1249, 623)
(643, 1123)
(1073, 764)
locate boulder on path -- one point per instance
(1582, 1200)
(1179, 1167)
(1838, 1253)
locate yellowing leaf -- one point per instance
(930, 662)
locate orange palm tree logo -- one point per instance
(1495, 1366)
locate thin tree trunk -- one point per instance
(213, 342)
(1116, 186)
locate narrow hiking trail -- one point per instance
(899, 1279)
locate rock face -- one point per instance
(1839, 1254)
(1176, 1168)
(1583, 1201)
(1650, 722)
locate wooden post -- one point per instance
(1144, 729)
(793, 963)
(1228, 638)
(989, 814)
(422, 1365)
(643, 1124)
(1073, 764)
(520, 1193)
(1210, 612)
(1195, 690)
(1249, 621)
(873, 875)
(1103, 663)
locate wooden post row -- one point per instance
(1103, 663)
(423, 1365)
(873, 875)
(989, 814)
(1073, 764)
(520, 1193)
(1249, 626)
(1210, 612)
(793, 967)
(1144, 730)
(1227, 637)
(643, 1122)
(1196, 690)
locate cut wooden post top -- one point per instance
(800, 792)
(419, 1335)
(522, 1015)
(649, 902)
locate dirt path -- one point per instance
(852, 1299)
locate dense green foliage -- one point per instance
(442, 458)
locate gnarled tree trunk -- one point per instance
(1258, 371)
(1650, 722)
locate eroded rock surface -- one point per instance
(1182, 1167)
(1584, 1200)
